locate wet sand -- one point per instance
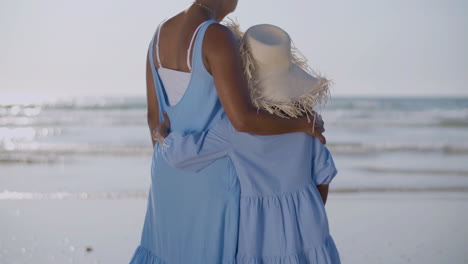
(393, 227)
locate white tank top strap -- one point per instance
(157, 42)
(188, 50)
(190, 46)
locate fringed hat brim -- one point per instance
(295, 107)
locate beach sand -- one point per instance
(396, 227)
(400, 227)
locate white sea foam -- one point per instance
(14, 195)
(11, 195)
(372, 148)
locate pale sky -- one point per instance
(368, 47)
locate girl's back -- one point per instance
(282, 215)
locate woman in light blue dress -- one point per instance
(193, 217)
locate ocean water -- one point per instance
(100, 147)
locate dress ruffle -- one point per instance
(144, 256)
(324, 254)
(285, 228)
(274, 229)
(303, 192)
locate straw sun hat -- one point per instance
(280, 80)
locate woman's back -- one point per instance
(200, 95)
(174, 79)
(190, 218)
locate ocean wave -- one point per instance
(29, 159)
(364, 148)
(395, 117)
(394, 124)
(75, 120)
(11, 195)
(76, 103)
(336, 103)
(444, 172)
(398, 189)
(452, 123)
(140, 194)
(51, 152)
(30, 152)
(403, 104)
(128, 110)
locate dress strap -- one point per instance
(190, 46)
(158, 58)
(197, 58)
(156, 80)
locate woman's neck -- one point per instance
(208, 9)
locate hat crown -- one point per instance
(280, 80)
(270, 46)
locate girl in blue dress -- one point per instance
(282, 215)
(193, 217)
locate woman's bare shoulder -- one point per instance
(219, 37)
(219, 30)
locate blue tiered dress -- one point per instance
(191, 218)
(282, 215)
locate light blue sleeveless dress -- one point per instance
(282, 215)
(191, 217)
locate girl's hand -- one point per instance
(316, 128)
(162, 130)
